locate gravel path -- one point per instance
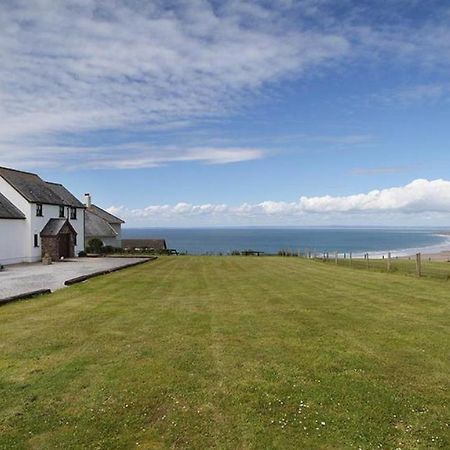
(23, 278)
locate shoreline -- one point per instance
(439, 252)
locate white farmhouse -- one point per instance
(37, 218)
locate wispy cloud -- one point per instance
(74, 67)
(415, 94)
(418, 197)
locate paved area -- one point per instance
(22, 278)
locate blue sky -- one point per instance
(187, 113)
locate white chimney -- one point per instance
(87, 200)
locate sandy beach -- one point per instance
(441, 256)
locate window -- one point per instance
(73, 213)
(75, 239)
(61, 211)
(39, 210)
(36, 240)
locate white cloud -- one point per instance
(75, 67)
(72, 67)
(418, 197)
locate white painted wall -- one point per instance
(12, 243)
(32, 225)
(118, 229)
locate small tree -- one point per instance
(95, 245)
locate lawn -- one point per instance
(229, 353)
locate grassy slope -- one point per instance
(229, 353)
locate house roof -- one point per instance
(54, 227)
(68, 198)
(8, 210)
(36, 190)
(156, 244)
(96, 226)
(105, 215)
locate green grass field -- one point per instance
(229, 353)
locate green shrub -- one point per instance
(95, 245)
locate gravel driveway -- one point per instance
(22, 278)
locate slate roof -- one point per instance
(36, 190)
(156, 244)
(96, 226)
(104, 214)
(8, 210)
(68, 198)
(54, 226)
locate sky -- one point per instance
(227, 113)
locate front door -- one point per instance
(64, 246)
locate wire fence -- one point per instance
(416, 265)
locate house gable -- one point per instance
(57, 226)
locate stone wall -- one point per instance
(50, 246)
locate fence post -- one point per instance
(351, 257)
(419, 265)
(367, 259)
(389, 262)
(336, 256)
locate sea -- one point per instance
(271, 240)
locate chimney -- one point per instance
(87, 199)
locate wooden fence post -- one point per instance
(336, 257)
(419, 265)
(351, 257)
(389, 262)
(367, 260)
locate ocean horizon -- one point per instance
(358, 240)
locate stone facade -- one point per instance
(61, 245)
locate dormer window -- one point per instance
(73, 213)
(39, 210)
(61, 212)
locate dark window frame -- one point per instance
(73, 213)
(36, 240)
(39, 210)
(62, 211)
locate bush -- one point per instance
(95, 245)
(82, 254)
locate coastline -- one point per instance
(438, 253)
